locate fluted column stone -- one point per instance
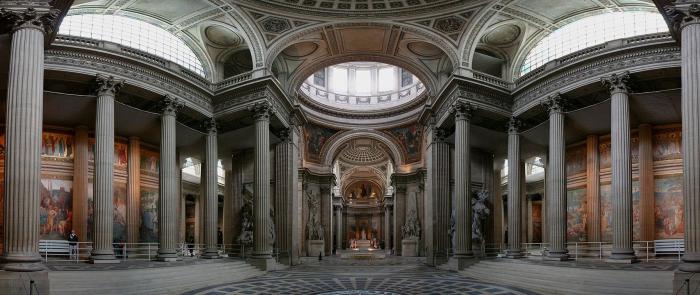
(556, 181)
(463, 204)
(23, 123)
(102, 250)
(133, 205)
(262, 223)
(685, 17)
(441, 207)
(168, 187)
(339, 227)
(387, 226)
(621, 167)
(514, 191)
(80, 182)
(286, 175)
(211, 196)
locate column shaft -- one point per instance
(261, 202)
(441, 198)
(556, 182)
(102, 250)
(593, 188)
(463, 204)
(80, 182)
(514, 192)
(211, 196)
(646, 183)
(23, 149)
(229, 235)
(339, 227)
(387, 226)
(168, 199)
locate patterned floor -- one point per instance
(339, 279)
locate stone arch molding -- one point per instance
(331, 150)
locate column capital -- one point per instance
(170, 105)
(618, 82)
(284, 134)
(683, 12)
(108, 85)
(42, 19)
(439, 135)
(210, 125)
(514, 125)
(463, 110)
(554, 103)
(261, 111)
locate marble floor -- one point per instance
(334, 276)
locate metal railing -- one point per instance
(139, 251)
(644, 250)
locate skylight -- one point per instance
(135, 34)
(591, 31)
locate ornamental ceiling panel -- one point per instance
(355, 8)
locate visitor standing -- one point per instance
(73, 245)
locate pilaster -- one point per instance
(593, 188)
(133, 197)
(80, 182)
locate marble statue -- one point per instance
(364, 235)
(314, 226)
(479, 213)
(271, 237)
(411, 229)
(246, 235)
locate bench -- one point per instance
(675, 246)
(48, 247)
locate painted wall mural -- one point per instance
(604, 153)
(576, 160)
(149, 216)
(119, 226)
(667, 144)
(56, 209)
(668, 211)
(576, 215)
(315, 137)
(411, 138)
(149, 162)
(90, 210)
(636, 213)
(57, 145)
(120, 155)
(537, 222)
(606, 212)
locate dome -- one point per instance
(363, 152)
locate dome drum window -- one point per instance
(359, 85)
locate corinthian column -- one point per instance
(514, 193)
(102, 251)
(286, 167)
(439, 169)
(463, 204)
(168, 186)
(211, 197)
(556, 181)
(621, 163)
(262, 250)
(23, 136)
(686, 18)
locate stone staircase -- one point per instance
(157, 280)
(547, 279)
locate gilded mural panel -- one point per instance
(149, 216)
(668, 208)
(576, 215)
(56, 209)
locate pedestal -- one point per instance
(409, 248)
(314, 247)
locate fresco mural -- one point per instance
(363, 190)
(576, 215)
(636, 213)
(667, 144)
(604, 153)
(149, 162)
(148, 231)
(119, 216)
(537, 222)
(57, 145)
(120, 155)
(315, 137)
(90, 210)
(411, 138)
(668, 211)
(576, 160)
(56, 211)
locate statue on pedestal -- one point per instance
(411, 229)
(314, 226)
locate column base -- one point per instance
(22, 263)
(210, 254)
(691, 263)
(262, 263)
(103, 257)
(20, 283)
(556, 257)
(167, 256)
(514, 254)
(104, 261)
(622, 256)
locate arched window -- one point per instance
(132, 33)
(591, 31)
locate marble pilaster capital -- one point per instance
(108, 85)
(42, 19)
(170, 105)
(462, 110)
(261, 111)
(617, 83)
(439, 135)
(554, 103)
(683, 12)
(210, 125)
(514, 125)
(284, 134)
